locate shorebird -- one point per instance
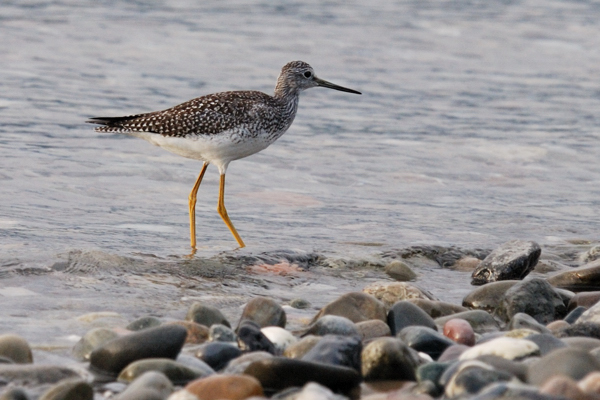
(221, 127)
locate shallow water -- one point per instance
(478, 124)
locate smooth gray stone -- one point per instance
(264, 312)
(425, 340)
(218, 354)
(164, 341)
(70, 389)
(278, 373)
(206, 315)
(91, 340)
(525, 321)
(332, 325)
(221, 333)
(546, 342)
(177, 373)
(515, 368)
(472, 379)
(31, 374)
(143, 323)
(344, 351)
(152, 385)
(574, 314)
(512, 260)
(583, 343)
(388, 359)
(481, 321)
(574, 363)
(534, 297)
(404, 313)
(238, 365)
(195, 363)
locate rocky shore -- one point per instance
(516, 335)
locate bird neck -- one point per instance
(287, 96)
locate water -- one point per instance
(478, 124)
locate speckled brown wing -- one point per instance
(206, 115)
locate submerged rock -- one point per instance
(512, 260)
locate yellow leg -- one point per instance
(192, 200)
(223, 212)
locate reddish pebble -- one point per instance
(460, 331)
(556, 326)
(590, 383)
(196, 333)
(563, 386)
(230, 387)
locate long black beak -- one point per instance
(321, 82)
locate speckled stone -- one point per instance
(206, 315)
(221, 333)
(15, 348)
(372, 329)
(388, 359)
(355, 306)
(391, 293)
(512, 260)
(70, 389)
(264, 312)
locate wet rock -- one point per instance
(564, 387)
(238, 365)
(15, 348)
(344, 351)
(264, 312)
(391, 293)
(250, 338)
(206, 315)
(14, 394)
(400, 271)
(489, 296)
(591, 315)
(583, 279)
(161, 342)
(471, 377)
(29, 374)
(436, 309)
(534, 297)
(570, 362)
(373, 328)
(432, 372)
(332, 325)
(196, 333)
(587, 329)
(574, 314)
(280, 373)
(460, 331)
(300, 304)
(221, 333)
(388, 359)
(195, 363)
(303, 346)
(583, 299)
(405, 313)
(217, 354)
(355, 306)
(504, 347)
(280, 338)
(425, 340)
(512, 260)
(546, 343)
(143, 323)
(177, 373)
(525, 321)
(70, 389)
(92, 339)
(151, 385)
(233, 387)
(480, 321)
(515, 368)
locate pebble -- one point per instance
(584, 343)
(472, 376)
(15, 348)
(563, 386)
(206, 315)
(196, 333)
(177, 373)
(355, 306)
(504, 347)
(92, 339)
(574, 314)
(344, 351)
(14, 394)
(264, 312)
(303, 346)
(151, 385)
(584, 299)
(300, 304)
(280, 338)
(388, 359)
(314, 391)
(591, 383)
(460, 331)
(251, 338)
(404, 313)
(238, 365)
(217, 354)
(372, 329)
(571, 362)
(583, 279)
(221, 333)
(143, 323)
(163, 341)
(512, 260)
(332, 325)
(534, 297)
(69, 389)
(425, 340)
(489, 296)
(546, 342)
(525, 321)
(400, 271)
(279, 373)
(391, 293)
(30, 374)
(231, 387)
(436, 308)
(480, 321)
(591, 315)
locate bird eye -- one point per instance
(307, 74)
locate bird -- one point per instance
(222, 127)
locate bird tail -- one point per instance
(113, 124)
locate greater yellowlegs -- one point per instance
(222, 127)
